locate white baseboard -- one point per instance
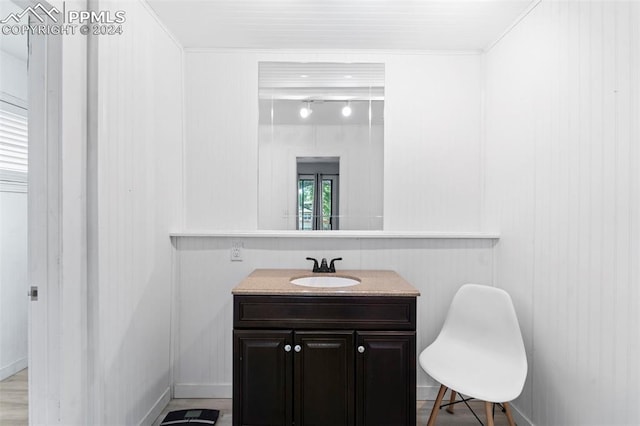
(427, 393)
(191, 390)
(519, 418)
(13, 368)
(430, 393)
(157, 408)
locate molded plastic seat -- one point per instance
(479, 351)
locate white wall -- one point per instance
(563, 187)
(432, 146)
(204, 310)
(13, 236)
(13, 78)
(432, 167)
(360, 151)
(135, 183)
(13, 281)
(432, 181)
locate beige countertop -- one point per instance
(277, 282)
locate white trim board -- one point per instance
(194, 390)
(337, 234)
(11, 369)
(155, 411)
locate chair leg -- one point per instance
(488, 409)
(452, 399)
(436, 406)
(507, 410)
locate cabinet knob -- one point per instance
(361, 349)
(287, 348)
(297, 348)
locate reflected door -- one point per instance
(317, 202)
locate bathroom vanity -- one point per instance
(318, 355)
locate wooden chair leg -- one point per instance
(488, 409)
(436, 406)
(452, 399)
(507, 410)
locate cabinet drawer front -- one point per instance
(324, 312)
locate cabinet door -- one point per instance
(262, 377)
(324, 378)
(386, 378)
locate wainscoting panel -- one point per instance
(206, 276)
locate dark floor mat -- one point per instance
(191, 417)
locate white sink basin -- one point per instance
(325, 281)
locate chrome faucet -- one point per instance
(324, 267)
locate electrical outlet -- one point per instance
(236, 251)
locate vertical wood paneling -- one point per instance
(221, 133)
(432, 143)
(562, 121)
(139, 142)
(203, 366)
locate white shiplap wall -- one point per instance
(204, 310)
(431, 138)
(563, 187)
(432, 151)
(137, 168)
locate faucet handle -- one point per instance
(315, 264)
(332, 268)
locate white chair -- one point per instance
(479, 352)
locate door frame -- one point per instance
(44, 227)
(57, 223)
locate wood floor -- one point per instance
(14, 407)
(14, 400)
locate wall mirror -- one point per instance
(320, 146)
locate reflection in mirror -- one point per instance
(318, 193)
(320, 146)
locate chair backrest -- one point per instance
(484, 317)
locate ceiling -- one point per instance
(339, 24)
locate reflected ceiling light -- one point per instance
(348, 76)
(304, 76)
(346, 110)
(305, 111)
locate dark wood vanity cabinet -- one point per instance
(324, 360)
